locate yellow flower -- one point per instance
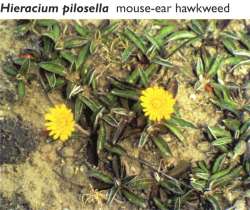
(59, 122)
(157, 103)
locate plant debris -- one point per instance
(17, 141)
(17, 202)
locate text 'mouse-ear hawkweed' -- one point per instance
(157, 103)
(60, 122)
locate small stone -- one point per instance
(68, 171)
(240, 204)
(17, 140)
(67, 152)
(240, 149)
(83, 168)
(193, 96)
(46, 148)
(7, 89)
(141, 121)
(204, 146)
(81, 179)
(132, 167)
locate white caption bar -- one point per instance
(124, 9)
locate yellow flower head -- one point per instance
(59, 122)
(157, 103)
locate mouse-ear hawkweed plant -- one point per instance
(79, 61)
(60, 122)
(157, 103)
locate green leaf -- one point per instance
(177, 204)
(115, 149)
(22, 29)
(90, 103)
(199, 67)
(135, 39)
(242, 52)
(245, 40)
(51, 78)
(151, 69)
(134, 199)
(144, 138)
(19, 61)
(206, 58)
(144, 78)
(140, 183)
(198, 26)
(47, 46)
(78, 109)
(87, 76)
(129, 94)
(171, 185)
(46, 22)
(127, 53)
(100, 176)
(214, 202)
(10, 70)
(240, 148)
(218, 163)
(181, 35)
(220, 174)
(73, 42)
(97, 116)
(83, 55)
(120, 111)
(228, 177)
(159, 204)
(198, 184)
(202, 165)
(153, 41)
(72, 89)
(245, 126)
(216, 64)
(68, 55)
(233, 60)
(25, 67)
(120, 84)
(82, 30)
(111, 120)
(163, 62)
(162, 145)
(232, 124)
(247, 168)
(181, 122)
(53, 67)
(226, 106)
(222, 141)
(133, 76)
(229, 44)
(21, 88)
(101, 140)
(202, 175)
(164, 32)
(219, 132)
(53, 33)
(109, 29)
(59, 82)
(176, 131)
(93, 46)
(112, 194)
